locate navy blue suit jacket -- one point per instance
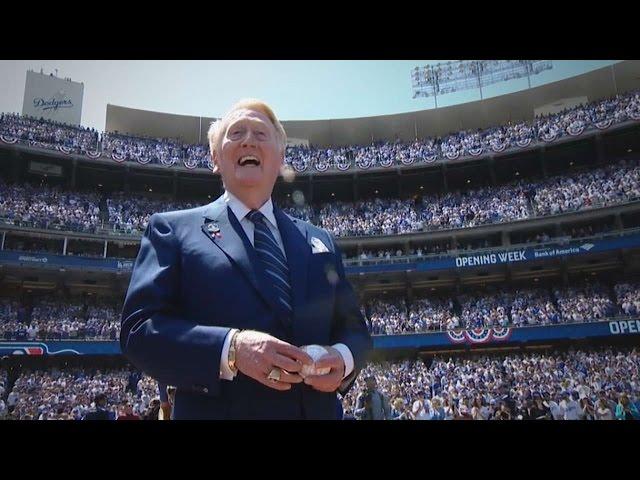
(189, 287)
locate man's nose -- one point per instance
(249, 139)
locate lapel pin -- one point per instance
(214, 229)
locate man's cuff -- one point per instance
(347, 357)
(225, 371)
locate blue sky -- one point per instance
(298, 90)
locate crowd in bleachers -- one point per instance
(59, 320)
(595, 384)
(70, 393)
(168, 151)
(586, 304)
(628, 295)
(48, 133)
(517, 308)
(599, 384)
(50, 207)
(131, 213)
(68, 320)
(142, 150)
(604, 186)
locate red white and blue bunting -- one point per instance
(549, 137)
(8, 140)
(190, 162)
(479, 335)
(407, 160)
(343, 165)
(387, 162)
(322, 165)
(575, 129)
(95, 154)
(364, 163)
(496, 146)
(604, 124)
(456, 337)
(525, 142)
(476, 151)
(118, 157)
(208, 162)
(431, 157)
(452, 155)
(168, 162)
(502, 333)
(299, 166)
(65, 150)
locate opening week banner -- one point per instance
(486, 258)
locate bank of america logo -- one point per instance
(587, 246)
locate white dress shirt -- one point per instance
(240, 210)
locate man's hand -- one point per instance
(332, 380)
(258, 353)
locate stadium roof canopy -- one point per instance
(518, 106)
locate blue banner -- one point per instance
(499, 257)
(508, 335)
(48, 260)
(72, 347)
(478, 336)
(490, 258)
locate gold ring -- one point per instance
(275, 374)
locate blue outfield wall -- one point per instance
(487, 258)
(488, 336)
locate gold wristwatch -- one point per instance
(232, 354)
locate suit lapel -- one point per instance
(298, 252)
(234, 243)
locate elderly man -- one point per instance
(223, 297)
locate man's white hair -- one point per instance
(217, 128)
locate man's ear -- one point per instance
(214, 161)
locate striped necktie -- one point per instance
(273, 261)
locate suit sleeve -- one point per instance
(155, 335)
(349, 326)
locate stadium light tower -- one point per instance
(456, 76)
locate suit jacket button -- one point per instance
(205, 390)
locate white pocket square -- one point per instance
(317, 246)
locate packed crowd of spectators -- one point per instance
(49, 207)
(62, 320)
(587, 304)
(488, 310)
(130, 214)
(533, 307)
(143, 150)
(386, 317)
(517, 308)
(595, 384)
(48, 133)
(603, 186)
(169, 151)
(598, 384)
(628, 295)
(70, 393)
(58, 320)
